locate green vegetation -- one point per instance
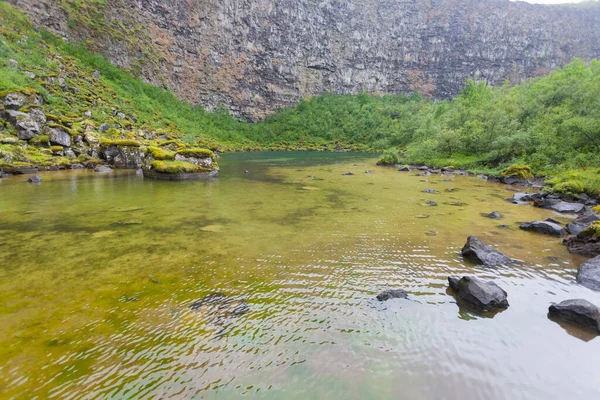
(119, 142)
(174, 167)
(518, 170)
(197, 153)
(592, 231)
(160, 153)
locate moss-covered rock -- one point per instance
(520, 171)
(159, 153)
(173, 167)
(120, 142)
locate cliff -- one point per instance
(255, 56)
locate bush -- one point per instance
(390, 158)
(573, 187)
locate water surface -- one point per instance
(98, 273)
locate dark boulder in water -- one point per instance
(545, 227)
(587, 242)
(392, 294)
(478, 294)
(477, 251)
(404, 168)
(578, 312)
(588, 274)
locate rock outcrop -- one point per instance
(257, 56)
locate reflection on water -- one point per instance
(105, 279)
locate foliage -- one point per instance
(518, 170)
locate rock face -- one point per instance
(125, 157)
(481, 295)
(257, 56)
(477, 251)
(392, 294)
(588, 274)
(578, 312)
(545, 227)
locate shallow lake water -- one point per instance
(98, 272)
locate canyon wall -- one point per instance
(255, 56)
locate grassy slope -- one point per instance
(550, 123)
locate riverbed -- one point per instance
(98, 272)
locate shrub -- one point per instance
(572, 186)
(389, 158)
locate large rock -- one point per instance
(478, 294)
(14, 101)
(124, 157)
(579, 312)
(561, 206)
(545, 227)
(28, 127)
(587, 242)
(392, 294)
(205, 162)
(477, 251)
(583, 221)
(588, 274)
(59, 137)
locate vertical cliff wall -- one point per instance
(255, 56)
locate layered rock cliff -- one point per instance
(255, 56)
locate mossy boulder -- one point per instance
(159, 153)
(178, 170)
(520, 171)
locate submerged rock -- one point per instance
(348, 174)
(35, 179)
(103, 169)
(221, 305)
(392, 294)
(494, 215)
(477, 251)
(588, 274)
(478, 294)
(545, 227)
(431, 203)
(579, 312)
(430, 191)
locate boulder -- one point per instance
(14, 101)
(514, 180)
(578, 312)
(494, 215)
(582, 222)
(561, 206)
(545, 227)
(477, 251)
(35, 179)
(423, 168)
(588, 274)
(59, 137)
(392, 294)
(431, 203)
(104, 127)
(587, 242)
(478, 294)
(348, 174)
(125, 157)
(28, 127)
(404, 168)
(205, 162)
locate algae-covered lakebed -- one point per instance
(98, 273)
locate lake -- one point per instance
(98, 273)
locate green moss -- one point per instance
(597, 209)
(572, 186)
(56, 149)
(197, 153)
(174, 167)
(519, 170)
(592, 231)
(119, 142)
(39, 140)
(161, 154)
